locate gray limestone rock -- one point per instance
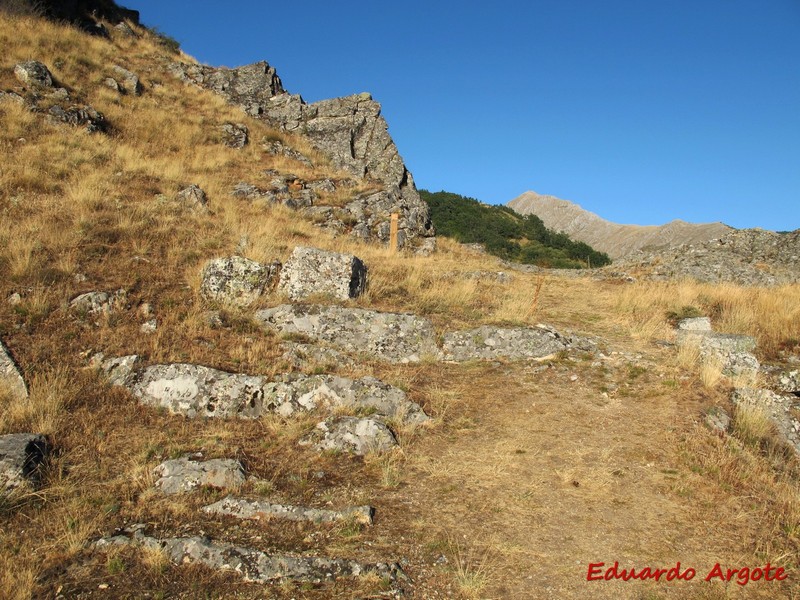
(487, 343)
(311, 271)
(34, 74)
(130, 81)
(781, 410)
(193, 197)
(307, 357)
(11, 379)
(393, 337)
(278, 148)
(125, 29)
(355, 435)
(242, 508)
(198, 391)
(236, 280)
(253, 565)
(93, 303)
(186, 474)
(21, 458)
(234, 135)
(733, 351)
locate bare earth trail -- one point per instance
(554, 468)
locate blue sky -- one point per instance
(642, 111)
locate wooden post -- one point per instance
(393, 233)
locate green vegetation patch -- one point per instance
(507, 234)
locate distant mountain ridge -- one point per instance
(614, 239)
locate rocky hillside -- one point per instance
(612, 238)
(216, 381)
(745, 256)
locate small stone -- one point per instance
(11, 378)
(234, 135)
(149, 327)
(14, 299)
(130, 81)
(718, 420)
(99, 302)
(193, 197)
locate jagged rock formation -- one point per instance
(242, 508)
(253, 565)
(612, 238)
(350, 131)
(746, 257)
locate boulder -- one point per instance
(393, 337)
(261, 509)
(21, 458)
(733, 351)
(125, 29)
(354, 435)
(234, 135)
(237, 281)
(130, 81)
(488, 343)
(782, 411)
(193, 197)
(11, 379)
(310, 271)
(253, 565)
(34, 74)
(186, 474)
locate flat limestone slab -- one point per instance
(243, 508)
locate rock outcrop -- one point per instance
(747, 257)
(310, 271)
(21, 458)
(253, 565)
(733, 352)
(394, 337)
(488, 343)
(242, 508)
(199, 391)
(350, 131)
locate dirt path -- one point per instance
(556, 468)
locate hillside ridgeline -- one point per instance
(612, 238)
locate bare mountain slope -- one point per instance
(612, 238)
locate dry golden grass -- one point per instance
(103, 206)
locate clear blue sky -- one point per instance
(642, 111)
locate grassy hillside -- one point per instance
(500, 495)
(507, 234)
